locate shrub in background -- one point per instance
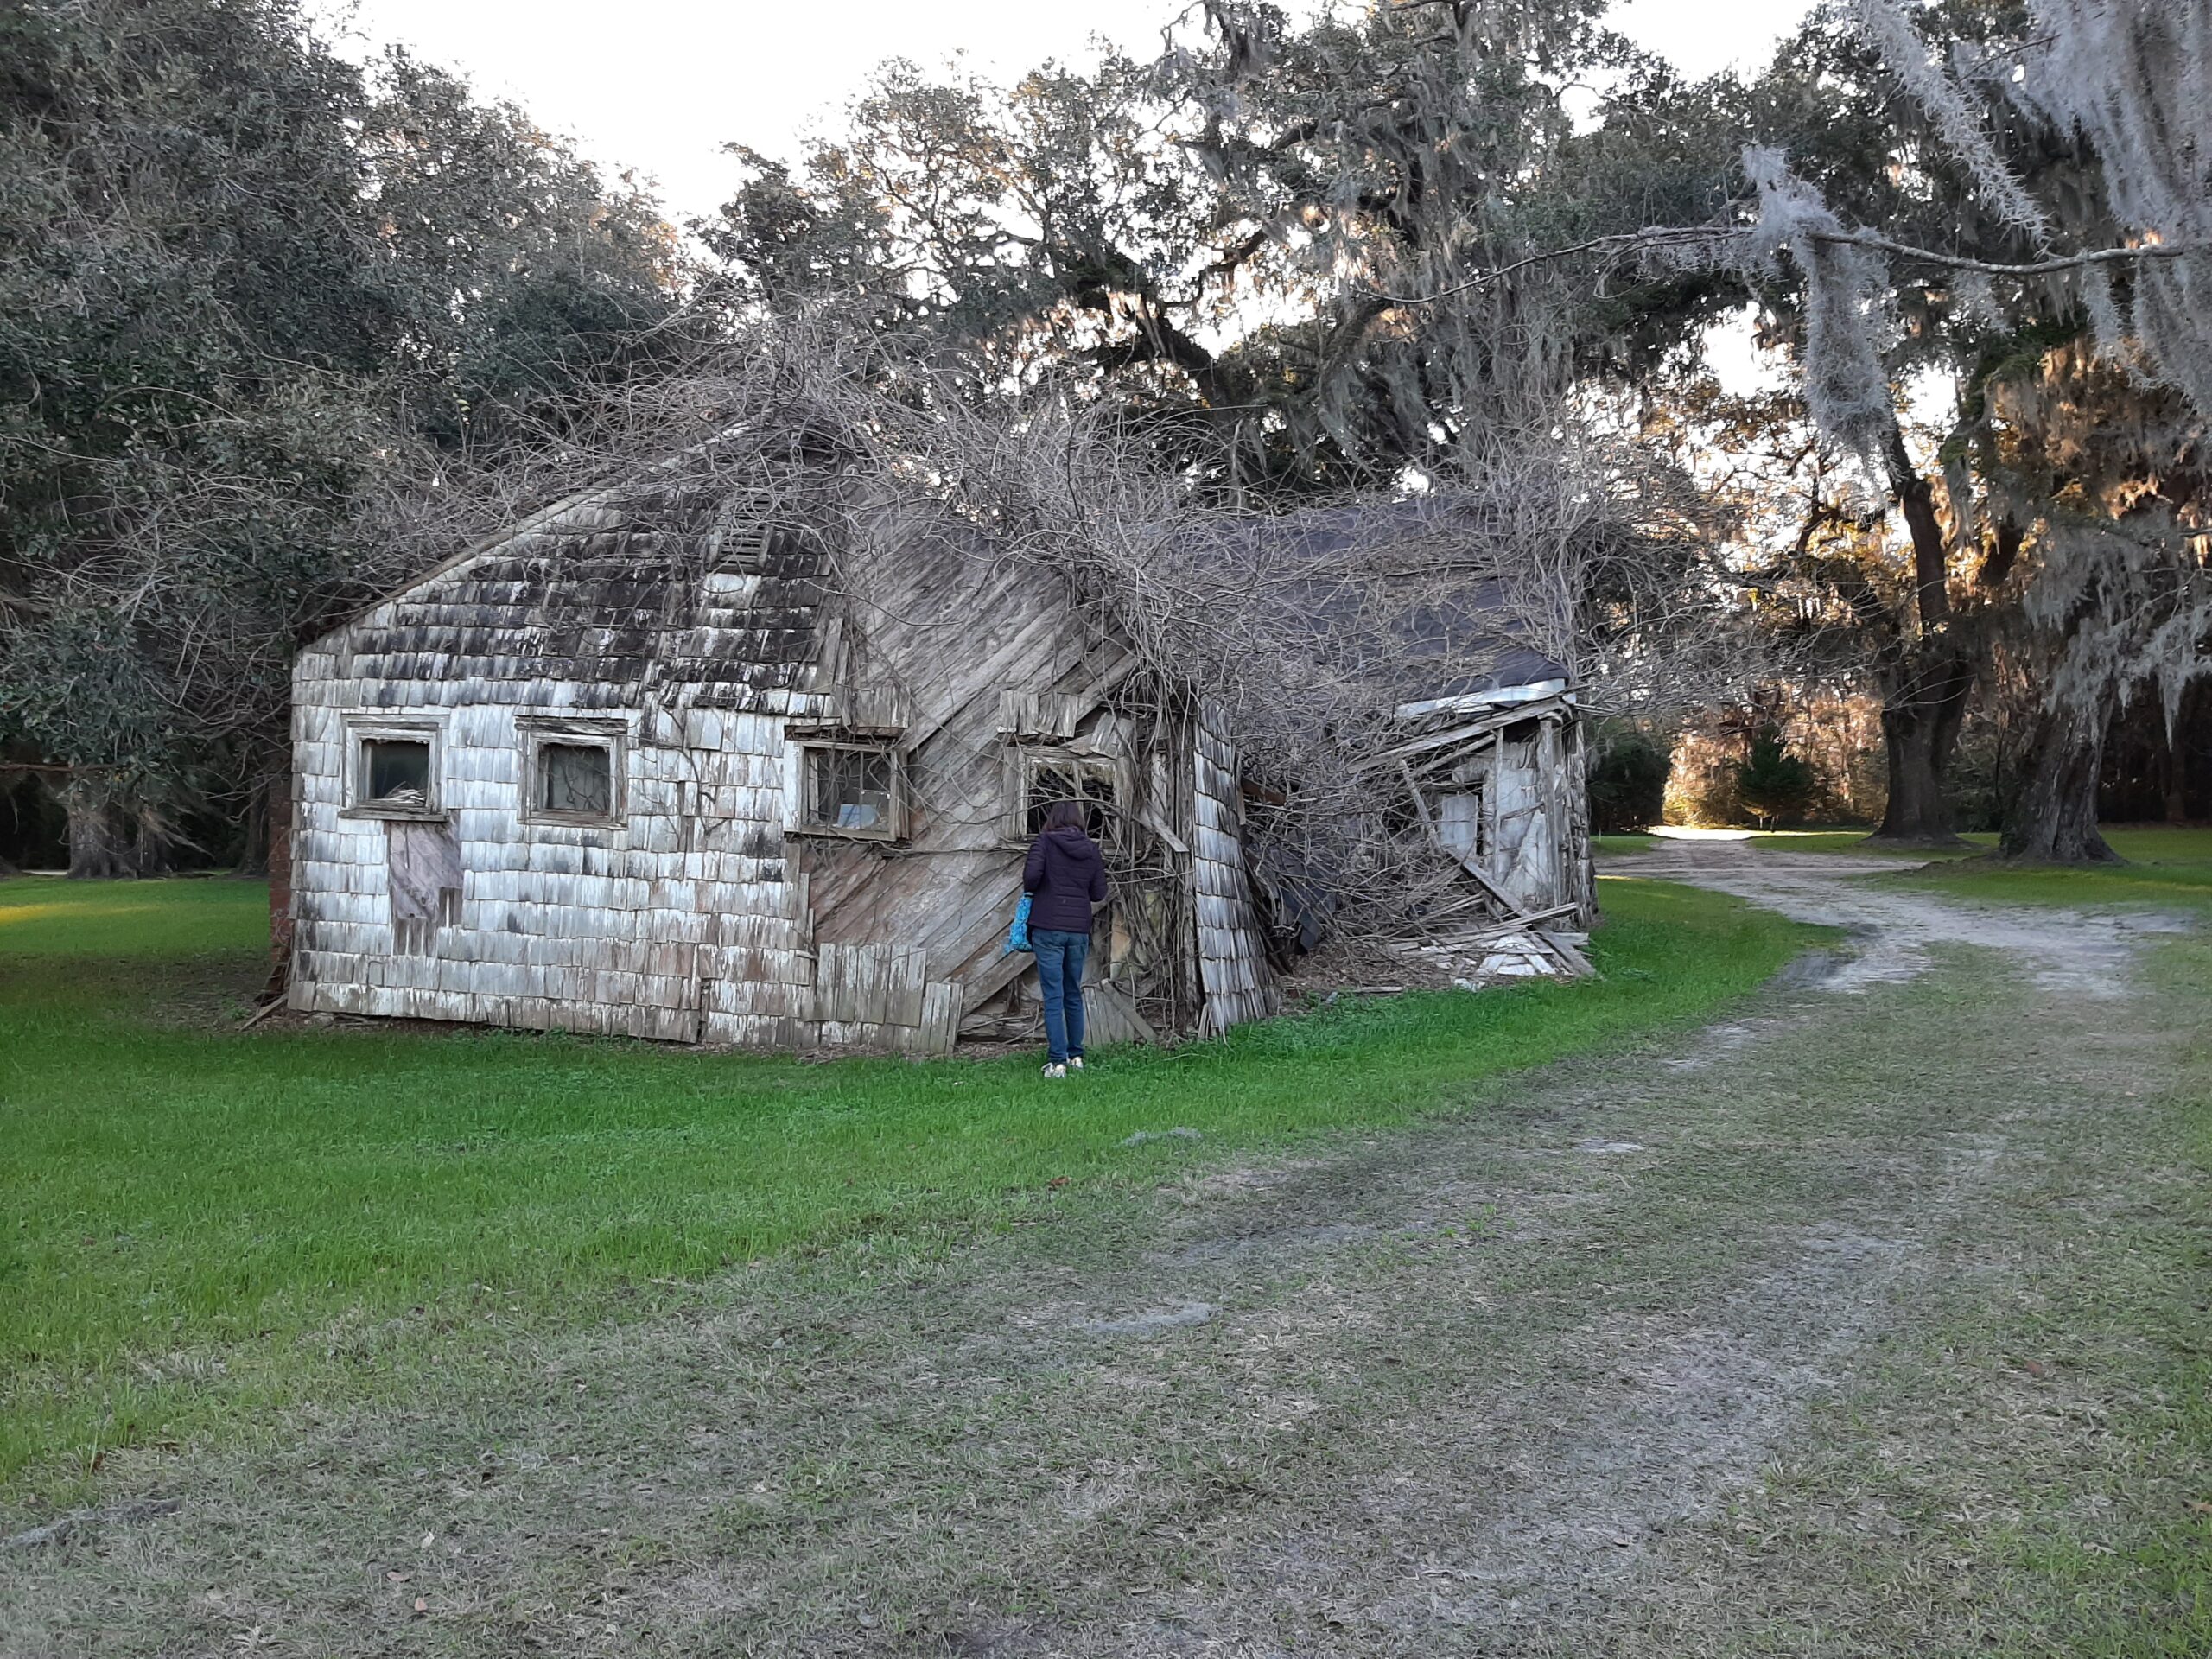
(1772, 783)
(1628, 780)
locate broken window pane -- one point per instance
(849, 789)
(1049, 784)
(397, 770)
(575, 778)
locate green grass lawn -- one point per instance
(2165, 867)
(1854, 841)
(205, 1225)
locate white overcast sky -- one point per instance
(661, 85)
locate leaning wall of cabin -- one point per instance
(910, 937)
(1232, 958)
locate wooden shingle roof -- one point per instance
(659, 581)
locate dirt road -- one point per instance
(1807, 1334)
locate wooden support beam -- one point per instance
(1490, 727)
(1420, 805)
(1512, 904)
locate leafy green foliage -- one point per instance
(1771, 782)
(1628, 781)
(245, 290)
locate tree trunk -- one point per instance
(1933, 675)
(253, 855)
(2055, 820)
(278, 794)
(1921, 717)
(107, 841)
(100, 848)
(2171, 777)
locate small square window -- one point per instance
(852, 791)
(573, 772)
(577, 777)
(1051, 783)
(396, 771)
(392, 768)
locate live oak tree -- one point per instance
(1412, 164)
(1219, 236)
(247, 290)
(1475, 252)
(1054, 229)
(2048, 228)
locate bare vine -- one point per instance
(1548, 554)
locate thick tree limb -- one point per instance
(1657, 237)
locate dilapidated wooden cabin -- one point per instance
(662, 761)
(1469, 771)
(1494, 784)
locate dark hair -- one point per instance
(1065, 815)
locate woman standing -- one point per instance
(1066, 878)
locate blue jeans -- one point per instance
(1060, 957)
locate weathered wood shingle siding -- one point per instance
(940, 622)
(699, 912)
(1232, 962)
(617, 928)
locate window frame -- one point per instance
(803, 750)
(1025, 760)
(363, 730)
(613, 736)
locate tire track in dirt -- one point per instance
(1481, 1386)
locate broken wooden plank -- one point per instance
(1565, 952)
(262, 1013)
(1512, 904)
(1420, 805)
(1152, 820)
(1528, 924)
(1112, 1017)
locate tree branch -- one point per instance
(1661, 237)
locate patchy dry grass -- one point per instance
(1854, 842)
(204, 1226)
(2151, 847)
(2025, 1467)
(1867, 1322)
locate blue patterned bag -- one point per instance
(1017, 937)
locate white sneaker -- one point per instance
(1055, 1071)
(1074, 1062)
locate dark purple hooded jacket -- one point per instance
(1067, 876)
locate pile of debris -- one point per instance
(1488, 939)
